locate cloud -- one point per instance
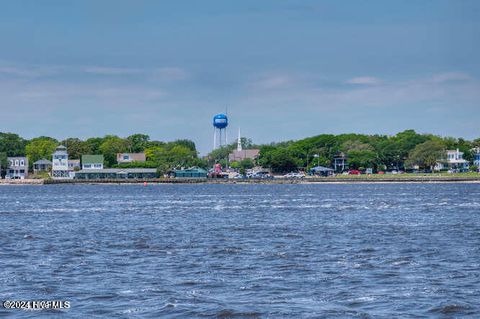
(111, 70)
(170, 73)
(164, 74)
(279, 81)
(161, 74)
(364, 80)
(69, 92)
(315, 97)
(29, 72)
(450, 77)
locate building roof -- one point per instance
(92, 159)
(243, 154)
(43, 162)
(119, 170)
(133, 157)
(16, 157)
(321, 169)
(190, 170)
(60, 150)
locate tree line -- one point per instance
(379, 152)
(160, 155)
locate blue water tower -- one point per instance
(220, 123)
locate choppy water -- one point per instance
(266, 251)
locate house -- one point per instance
(321, 171)
(454, 161)
(130, 157)
(92, 161)
(42, 165)
(117, 173)
(240, 155)
(340, 162)
(73, 165)
(193, 172)
(476, 157)
(17, 168)
(60, 169)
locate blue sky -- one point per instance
(285, 69)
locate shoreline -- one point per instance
(319, 180)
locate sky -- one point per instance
(282, 69)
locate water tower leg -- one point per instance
(214, 138)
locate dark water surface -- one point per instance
(243, 251)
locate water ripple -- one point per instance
(243, 251)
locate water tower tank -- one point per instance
(220, 121)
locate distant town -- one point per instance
(138, 157)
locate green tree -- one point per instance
(355, 145)
(427, 154)
(39, 148)
(185, 143)
(234, 164)
(138, 142)
(359, 159)
(112, 145)
(407, 140)
(94, 145)
(175, 156)
(3, 163)
(219, 154)
(181, 155)
(476, 142)
(199, 162)
(76, 147)
(246, 163)
(12, 144)
(282, 161)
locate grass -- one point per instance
(409, 176)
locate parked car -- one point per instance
(354, 172)
(261, 175)
(294, 175)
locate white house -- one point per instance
(92, 161)
(60, 168)
(453, 161)
(476, 157)
(18, 168)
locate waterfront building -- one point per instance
(130, 157)
(193, 172)
(321, 171)
(92, 161)
(42, 165)
(17, 168)
(73, 165)
(60, 168)
(454, 161)
(117, 173)
(340, 162)
(240, 155)
(476, 157)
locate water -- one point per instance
(243, 251)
